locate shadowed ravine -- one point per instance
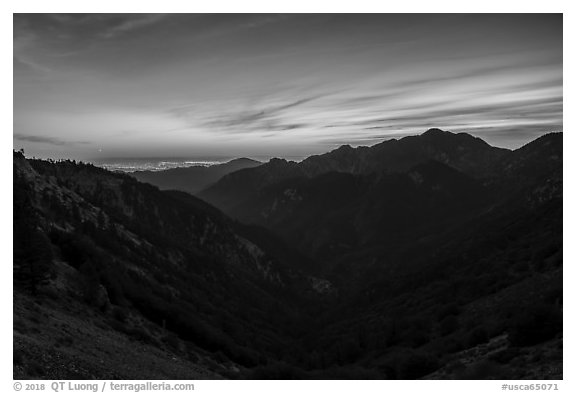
(436, 256)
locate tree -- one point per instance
(101, 220)
(36, 261)
(535, 324)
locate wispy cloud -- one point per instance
(47, 140)
(262, 81)
(134, 22)
(259, 118)
(30, 64)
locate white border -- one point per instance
(300, 6)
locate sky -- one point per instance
(90, 86)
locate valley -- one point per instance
(432, 256)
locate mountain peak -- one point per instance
(277, 161)
(243, 160)
(546, 139)
(436, 131)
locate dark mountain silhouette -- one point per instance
(460, 151)
(336, 213)
(193, 179)
(371, 197)
(534, 170)
(404, 227)
(434, 256)
(463, 152)
(173, 266)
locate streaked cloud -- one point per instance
(262, 118)
(281, 84)
(134, 22)
(47, 140)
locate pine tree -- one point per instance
(101, 220)
(37, 264)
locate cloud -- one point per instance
(213, 27)
(132, 23)
(262, 20)
(273, 118)
(47, 140)
(248, 77)
(369, 138)
(21, 61)
(519, 110)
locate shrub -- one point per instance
(477, 336)
(141, 334)
(18, 357)
(118, 326)
(172, 341)
(212, 365)
(447, 310)
(534, 325)
(193, 356)
(20, 326)
(349, 373)
(220, 357)
(445, 345)
(505, 356)
(485, 369)
(415, 364)
(35, 369)
(449, 325)
(276, 371)
(66, 341)
(120, 314)
(455, 367)
(34, 259)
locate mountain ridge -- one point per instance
(320, 273)
(323, 213)
(462, 151)
(158, 258)
(195, 178)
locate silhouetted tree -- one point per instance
(36, 263)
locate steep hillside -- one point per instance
(151, 264)
(444, 266)
(193, 179)
(415, 247)
(234, 189)
(388, 195)
(462, 152)
(335, 214)
(534, 171)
